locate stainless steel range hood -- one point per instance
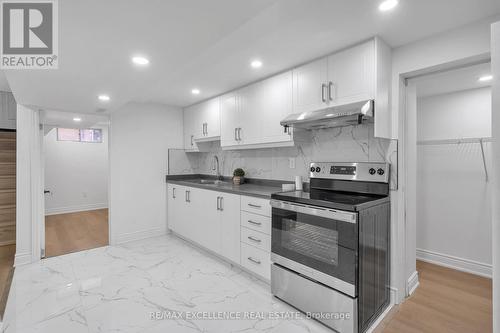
(337, 116)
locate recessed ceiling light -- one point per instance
(195, 91)
(77, 119)
(387, 5)
(140, 61)
(485, 78)
(256, 64)
(103, 98)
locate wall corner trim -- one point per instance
(413, 283)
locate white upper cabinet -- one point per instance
(210, 117)
(201, 123)
(250, 116)
(191, 130)
(230, 119)
(351, 75)
(309, 86)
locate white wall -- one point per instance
(464, 114)
(140, 136)
(453, 197)
(495, 65)
(76, 173)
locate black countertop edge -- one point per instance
(253, 181)
(262, 188)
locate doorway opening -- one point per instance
(448, 155)
(75, 162)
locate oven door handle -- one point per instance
(337, 215)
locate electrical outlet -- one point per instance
(291, 162)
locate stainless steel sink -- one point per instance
(211, 182)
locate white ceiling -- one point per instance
(209, 44)
(454, 80)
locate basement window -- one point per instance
(92, 135)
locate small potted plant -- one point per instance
(238, 176)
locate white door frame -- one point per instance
(407, 176)
(38, 185)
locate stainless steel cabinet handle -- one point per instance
(330, 86)
(255, 206)
(254, 223)
(206, 128)
(235, 134)
(173, 192)
(323, 86)
(221, 203)
(239, 134)
(188, 195)
(253, 239)
(218, 205)
(192, 137)
(254, 260)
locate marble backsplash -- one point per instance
(343, 144)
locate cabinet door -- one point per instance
(352, 74)
(308, 81)
(276, 95)
(176, 209)
(211, 117)
(206, 223)
(230, 226)
(229, 119)
(251, 115)
(190, 129)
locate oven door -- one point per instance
(317, 242)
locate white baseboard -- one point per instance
(412, 283)
(138, 235)
(74, 209)
(460, 264)
(22, 259)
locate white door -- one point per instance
(230, 226)
(351, 75)
(309, 86)
(276, 93)
(229, 120)
(211, 117)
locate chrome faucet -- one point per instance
(215, 167)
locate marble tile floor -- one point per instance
(132, 288)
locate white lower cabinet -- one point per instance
(208, 218)
(236, 227)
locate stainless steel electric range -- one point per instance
(330, 245)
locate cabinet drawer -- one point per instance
(256, 260)
(256, 222)
(255, 238)
(256, 205)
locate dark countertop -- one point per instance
(261, 188)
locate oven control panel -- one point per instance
(360, 171)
